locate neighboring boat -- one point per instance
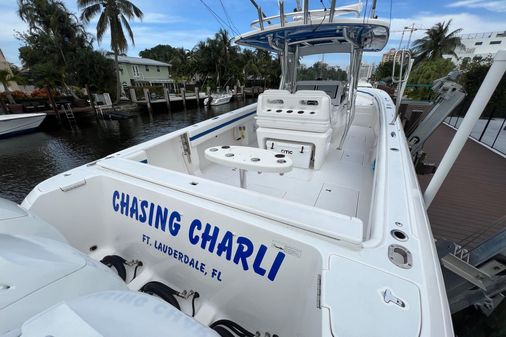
(331, 239)
(218, 99)
(13, 124)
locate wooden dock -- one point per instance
(472, 197)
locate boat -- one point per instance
(299, 215)
(218, 99)
(12, 124)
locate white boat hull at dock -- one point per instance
(20, 123)
(219, 99)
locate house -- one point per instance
(138, 71)
(479, 44)
(4, 65)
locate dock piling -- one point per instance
(148, 100)
(133, 95)
(166, 96)
(183, 94)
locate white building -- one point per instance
(479, 44)
(365, 72)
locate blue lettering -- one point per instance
(258, 261)
(151, 211)
(134, 209)
(174, 226)
(208, 237)
(226, 245)
(142, 217)
(161, 217)
(275, 266)
(115, 198)
(194, 238)
(124, 203)
(244, 250)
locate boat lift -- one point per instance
(478, 276)
(449, 95)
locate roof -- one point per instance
(323, 37)
(139, 60)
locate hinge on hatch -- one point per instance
(319, 292)
(185, 142)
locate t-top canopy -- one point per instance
(320, 37)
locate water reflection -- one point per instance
(29, 159)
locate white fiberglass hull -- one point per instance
(221, 99)
(20, 123)
(346, 248)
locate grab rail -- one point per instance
(307, 15)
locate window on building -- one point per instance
(135, 71)
(495, 42)
(478, 43)
(147, 68)
(158, 68)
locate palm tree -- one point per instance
(5, 77)
(437, 41)
(114, 14)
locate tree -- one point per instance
(436, 42)
(384, 72)
(57, 49)
(426, 72)
(114, 15)
(473, 74)
(321, 70)
(5, 78)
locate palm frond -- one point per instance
(89, 12)
(102, 25)
(127, 26)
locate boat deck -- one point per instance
(343, 184)
(473, 196)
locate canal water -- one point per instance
(29, 159)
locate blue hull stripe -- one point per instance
(202, 134)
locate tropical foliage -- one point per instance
(5, 77)
(437, 42)
(114, 15)
(424, 73)
(57, 50)
(216, 62)
(321, 70)
(473, 74)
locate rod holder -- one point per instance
(260, 18)
(306, 11)
(282, 13)
(332, 10)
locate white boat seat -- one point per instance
(300, 118)
(305, 110)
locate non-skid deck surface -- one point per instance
(342, 185)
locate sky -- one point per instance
(184, 23)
